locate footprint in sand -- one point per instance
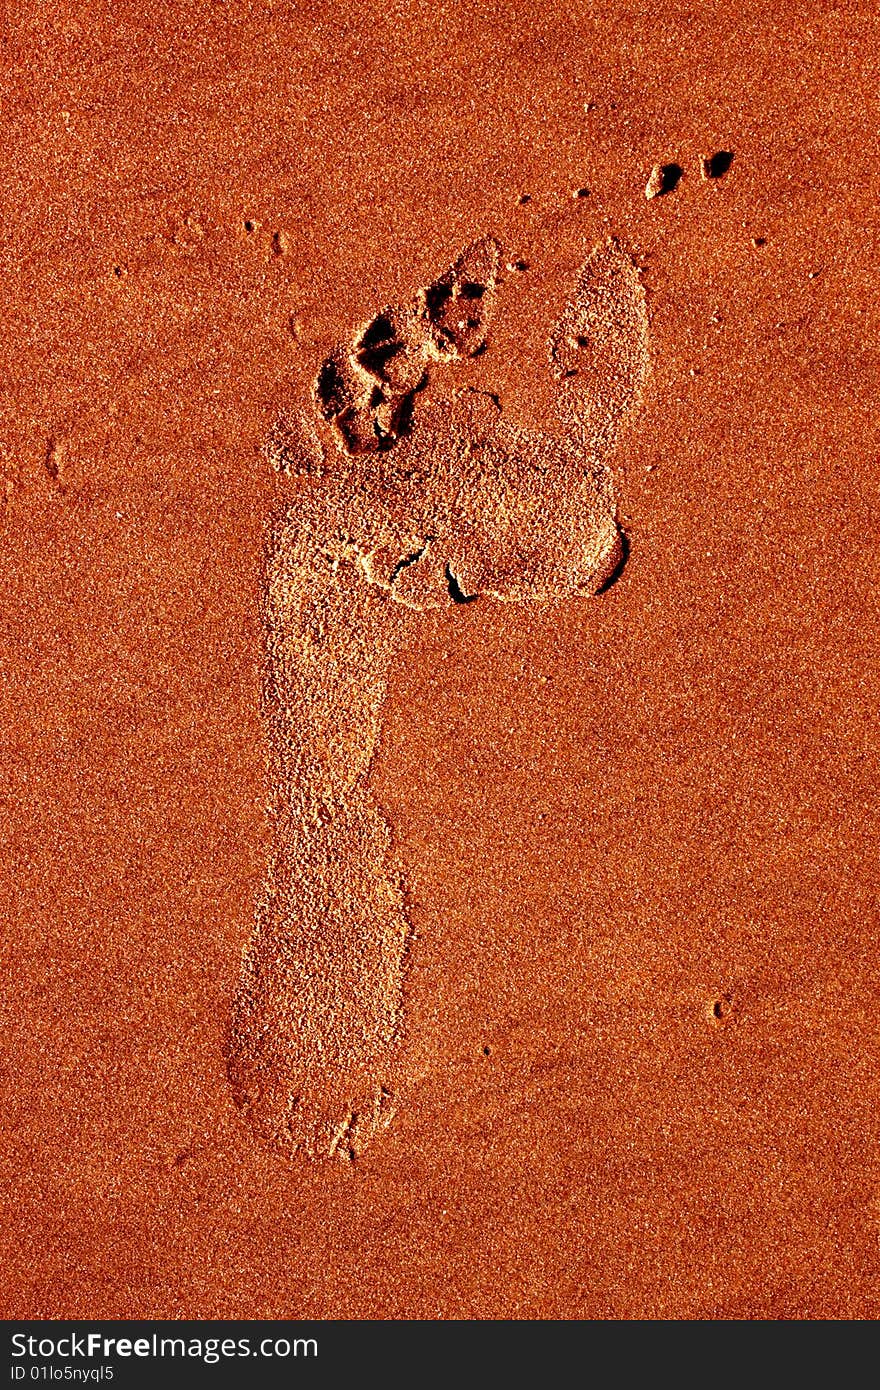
(432, 501)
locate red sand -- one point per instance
(618, 817)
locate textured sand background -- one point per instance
(638, 831)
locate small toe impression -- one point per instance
(458, 307)
(366, 391)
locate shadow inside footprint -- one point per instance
(619, 567)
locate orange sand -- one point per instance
(637, 831)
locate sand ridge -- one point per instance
(429, 503)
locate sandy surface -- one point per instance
(634, 834)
